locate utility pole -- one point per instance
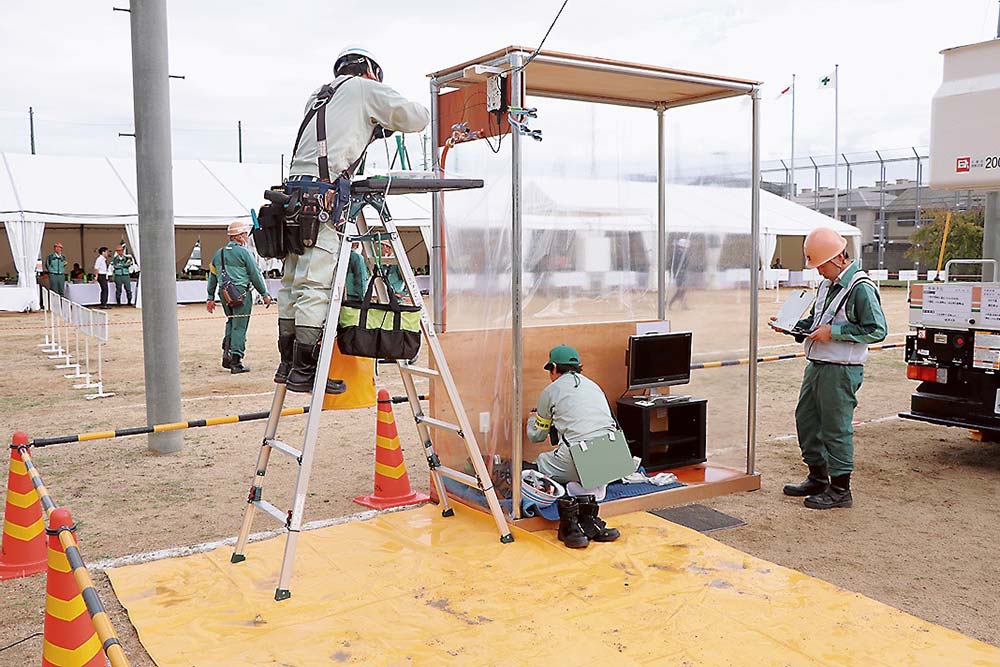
(31, 125)
(239, 137)
(154, 181)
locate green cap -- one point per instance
(562, 354)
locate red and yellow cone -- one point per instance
(392, 484)
(23, 544)
(70, 638)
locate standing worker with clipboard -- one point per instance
(233, 270)
(846, 317)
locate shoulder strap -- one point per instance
(222, 259)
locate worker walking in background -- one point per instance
(234, 270)
(121, 268)
(350, 112)
(846, 316)
(55, 266)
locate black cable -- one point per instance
(21, 641)
(535, 52)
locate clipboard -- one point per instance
(602, 459)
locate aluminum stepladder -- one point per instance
(292, 519)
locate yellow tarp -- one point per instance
(413, 588)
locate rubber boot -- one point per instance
(837, 495)
(570, 532)
(817, 482)
(305, 355)
(593, 526)
(286, 343)
(227, 359)
(237, 366)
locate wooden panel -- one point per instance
(468, 104)
(602, 349)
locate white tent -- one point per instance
(41, 190)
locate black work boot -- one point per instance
(593, 526)
(286, 343)
(237, 365)
(227, 359)
(817, 482)
(837, 495)
(305, 354)
(570, 532)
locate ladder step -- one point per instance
(282, 447)
(461, 477)
(278, 515)
(430, 421)
(423, 372)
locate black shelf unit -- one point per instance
(666, 434)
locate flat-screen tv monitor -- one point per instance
(659, 360)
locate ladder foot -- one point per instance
(282, 594)
(237, 558)
(448, 512)
(506, 539)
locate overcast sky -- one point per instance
(257, 61)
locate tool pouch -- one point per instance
(269, 235)
(312, 204)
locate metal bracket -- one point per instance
(433, 461)
(374, 199)
(255, 494)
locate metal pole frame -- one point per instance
(881, 211)
(437, 229)
(661, 214)
(517, 340)
(815, 183)
(754, 279)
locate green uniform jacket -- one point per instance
(121, 265)
(867, 321)
(357, 277)
(240, 267)
(55, 264)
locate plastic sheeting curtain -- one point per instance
(25, 239)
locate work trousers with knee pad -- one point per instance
(825, 413)
(305, 285)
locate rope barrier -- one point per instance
(178, 426)
(102, 624)
(776, 357)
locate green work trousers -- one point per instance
(305, 285)
(825, 413)
(57, 283)
(236, 327)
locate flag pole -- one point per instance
(836, 142)
(791, 193)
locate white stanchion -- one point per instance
(76, 319)
(46, 308)
(58, 326)
(99, 323)
(88, 332)
(66, 314)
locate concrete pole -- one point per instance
(991, 230)
(153, 160)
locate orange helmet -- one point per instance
(822, 245)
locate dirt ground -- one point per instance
(922, 535)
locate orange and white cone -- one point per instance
(23, 544)
(70, 638)
(392, 484)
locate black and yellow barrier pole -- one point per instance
(178, 426)
(776, 357)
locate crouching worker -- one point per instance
(577, 410)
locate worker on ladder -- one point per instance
(341, 119)
(846, 317)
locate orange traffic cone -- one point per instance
(70, 638)
(392, 484)
(23, 546)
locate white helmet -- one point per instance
(354, 53)
(237, 227)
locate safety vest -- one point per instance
(836, 351)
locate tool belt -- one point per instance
(290, 223)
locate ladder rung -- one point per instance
(450, 473)
(278, 515)
(423, 372)
(282, 447)
(430, 421)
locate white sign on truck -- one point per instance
(947, 305)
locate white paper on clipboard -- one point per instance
(794, 309)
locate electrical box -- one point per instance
(965, 132)
(494, 93)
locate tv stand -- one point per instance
(664, 433)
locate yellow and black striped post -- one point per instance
(776, 357)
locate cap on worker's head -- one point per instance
(237, 227)
(822, 245)
(355, 54)
(562, 354)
